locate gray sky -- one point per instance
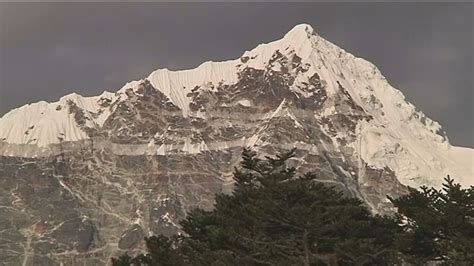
(49, 50)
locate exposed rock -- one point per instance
(131, 238)
(86, 182)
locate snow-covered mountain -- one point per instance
(131, 163)
(397, 135)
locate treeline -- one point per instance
(274, 217)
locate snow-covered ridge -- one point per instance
(44, 123)
(177, 84)
(399, 136)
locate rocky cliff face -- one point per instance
(86, 178)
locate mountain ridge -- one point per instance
(385, 103)
(84, 179)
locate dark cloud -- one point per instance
(48, 50)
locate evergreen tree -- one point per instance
(275, 218)
(124, 260)
(439, 224)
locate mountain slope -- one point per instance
(398, 136)
(132, 163)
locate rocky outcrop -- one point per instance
(87, 178)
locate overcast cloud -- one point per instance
(49, 50)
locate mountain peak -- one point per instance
(299, 40)
(154, 149)
(301, 30)
(301, 67)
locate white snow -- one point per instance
(44, 123)
(398, 137)
(246, 103)
(177, 84)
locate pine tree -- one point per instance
(124, 260)
(274, 217)
(439, 224)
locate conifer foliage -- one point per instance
(439, 224)
(274, 217)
